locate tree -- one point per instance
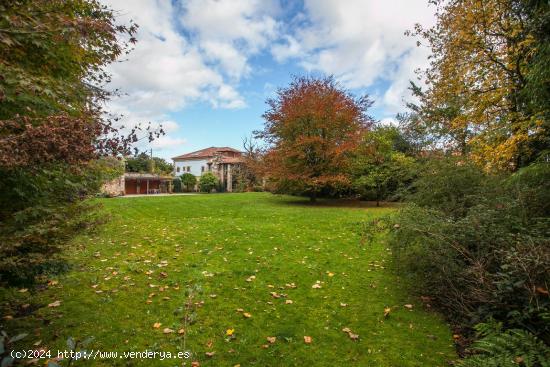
(53, 132)
(379, 169)
(248, 175)
(176, 183)
(138, 164)
(162, 166)
(486, 86)
(189, 181)
(312, 126)
(208, 182)
(144, 163)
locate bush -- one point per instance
(188, 181)
(176, 183)
(208, 182)
(478, 244)
(49, 210)
(506, 348)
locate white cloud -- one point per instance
(230, 31)
(360, 42)
(388, 121)
(167, 142)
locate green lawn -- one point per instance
(134, 271)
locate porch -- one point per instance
(146, 184)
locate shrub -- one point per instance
(208, 182)
(480, 245)
(506, 348)
(176, 183)
(189, 181)
(48, 212)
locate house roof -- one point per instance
(232, 160)
(206, 153)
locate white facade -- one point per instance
(195, 167)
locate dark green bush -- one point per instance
(479, 245)
(208, 182)
(176, 183)
(188, 181)
(40, 210)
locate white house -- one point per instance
(221, 161)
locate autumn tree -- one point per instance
(312, 126)
(485, 85)
(53, 132)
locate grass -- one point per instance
(164, 245)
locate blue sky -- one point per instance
(204, 68)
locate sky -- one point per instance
(204, 68)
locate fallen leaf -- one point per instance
(229, 332)
(210, 354)
(316, 286)
(247, 315)
(408, 306)
(168, 331)
(289, 302)
(346, 330)
(265, 346)
(55, 304)
(271, 339)
(250, 278)
(156, 325)
(343, 304)
(387, 311)
(307, 339)
(195, 364)
(519, 359)
(240, 310)
(181, 331)
(353, 336)
(23, 290)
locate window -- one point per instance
(188, 168)
(202, 168)
(178, 169)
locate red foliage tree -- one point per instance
(312, 127)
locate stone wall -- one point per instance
(114, 187)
